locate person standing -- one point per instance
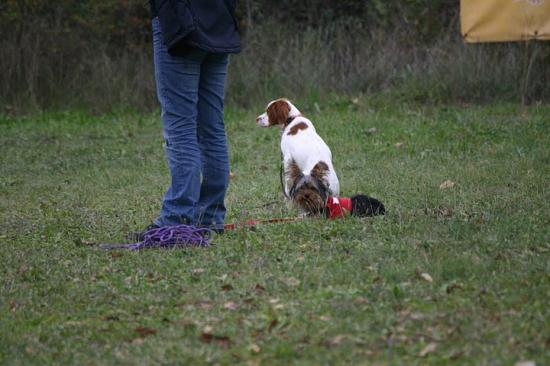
(192, 40)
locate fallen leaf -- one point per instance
(417, 316)
(426, 277)
(208, 337)
(206, 305)
(446, 211)
(186, 323)
(85, 242)
(447, 184)
(453, 286)
(371, 130)
(525, 363)
(293, 281)
(116, 254)
(230, 305)
(259, 288)
(254, 348)
(399, 144)
(336, 341)
(144, 331)
(272, 324)
(428, 349)
(273, 301)
(360, 300)
(138, 341)
(227, 287)
(197, 271)
(326, 318)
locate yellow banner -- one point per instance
(504, 20)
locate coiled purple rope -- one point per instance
(177, 236)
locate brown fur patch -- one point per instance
(297, 127)
(278, 112)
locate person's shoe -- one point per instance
(140, 236)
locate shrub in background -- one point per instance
(97, 55)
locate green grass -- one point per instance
(309, 292)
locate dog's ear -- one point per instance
(278, 112)
(293, 173)
(320, 172)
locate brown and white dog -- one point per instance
(307, 160)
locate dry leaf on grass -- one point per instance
(227, 287)
(417, 316)
(426, 277)
(445, 211)
(525, 363)
(206, 305)
(371, 130)
(254, 348)
(144, 331)
(430, 348)
(207, 336)
(293, 281)
(453, 286)
(447, 184)
(399, 144)
(272, 325)
(230, 305)
(336, 341)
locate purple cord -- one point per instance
(178, 236)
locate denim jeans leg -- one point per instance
(177, 80)
(212, 141)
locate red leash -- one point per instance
(336, 207)
(249, 224)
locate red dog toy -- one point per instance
(359, 205)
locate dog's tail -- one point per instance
(362, 205)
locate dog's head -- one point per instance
(308, 191)
(277, 112)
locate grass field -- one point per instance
(455, 273)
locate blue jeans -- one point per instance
(190, 90)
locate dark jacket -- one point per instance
(206, 24)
